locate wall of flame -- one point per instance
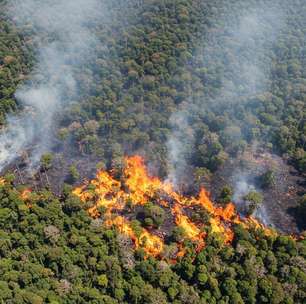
(138, 188)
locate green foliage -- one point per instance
(55, 253)
(46, 161)
(145, 70)
(102, 280)
(178, 234)
(267, 180)
(160, 58)
(226, 195)
(153, 215)
(74, 173)
(15, 60)
(254, 199)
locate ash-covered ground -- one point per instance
(279, 200)
(242, 173)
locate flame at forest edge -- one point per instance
(136, 187)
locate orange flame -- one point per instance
(138, 188)
(205, 201)
(25, 194)
(140, 184)
(152, 244)
(191, 230)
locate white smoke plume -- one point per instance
(61, 30)
(246, 36)
(262, 215)
(178, 147)
(244, 184)
(242, 187)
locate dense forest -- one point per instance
(190, 85)
(153, 64)
(53, 252)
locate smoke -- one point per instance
(249, 43)
(237, 49)
(62, 31)
(244, 183)
(262, 215)
(241, 52)
(179, 147)
(242, 186)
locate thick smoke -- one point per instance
(62, 33)
(238, 47)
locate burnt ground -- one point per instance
(279, 200)
(63, 157)
(277, 209)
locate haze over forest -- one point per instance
(152, 151)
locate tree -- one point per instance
(74, 173)
(267, 179)
(226, 195)
(46, 161)
(102, 280)
(178, 234)
(254, 199)
(154, 215)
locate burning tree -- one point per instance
(161, 208)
